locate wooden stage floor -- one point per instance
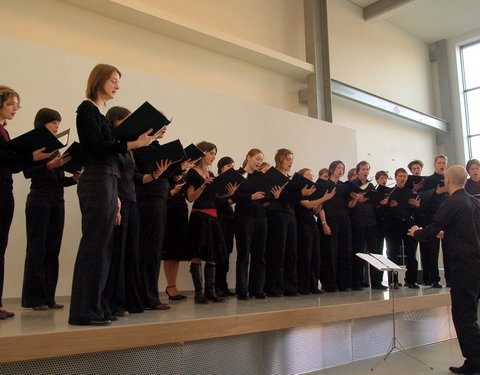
(42, 334)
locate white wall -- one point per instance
(381, 59)
(48, 77)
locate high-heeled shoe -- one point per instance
(177, 297)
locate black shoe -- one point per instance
(344, 289)
(305, 292)
(8, 314)
(242, 297)
(466, 368)
(259, 295)
(40, 308)
(291, 294)
(112, 318)
(358, 288)
(274, 294)
(379, 287)
(413, 286)
(220, 293)
(365, 285)
(317, 291)
(437, 285)
(330, 290)
(395, 286)
(99, 322)
(56, 306)
(200, 299)
(176, 297)
(229, 293)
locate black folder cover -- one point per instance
(77, 160)
(273, 177)
(146, 158)
(145, 117)
(193, 152)
(231, 176)
(36, 139)
(298, 182)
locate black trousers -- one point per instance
(336, 254)
(45, 218)
(281, 276)
(398, 232)
(7, 206)
(221, 270)
(465, 294)
(308, 256)
(251, 240)
(429, 251)
(365, 239)
(153, 215)
(97, 193)
(124, 285)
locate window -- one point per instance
(470, 57)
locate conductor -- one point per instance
(458, 217)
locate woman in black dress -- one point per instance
(45, 217)
(175, 245)
(206, 241)
(98, 196)
(10, 162)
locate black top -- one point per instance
(10, 162)
(458, 217)
(338, 205)
(286, 202)
(363, 213)
(206, 200)
(245, 206)
(128, 177)
(404, 210)
(432, 200)
(49, 180)
(96, 138)
(159, 188)
(473, 187)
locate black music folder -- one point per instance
(230, 176)
(273, 177)
(77, 158)
(298, 182)
(147, 157)
(193, 153)
(38, 138)
(145, 117)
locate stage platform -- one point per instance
(280, 330)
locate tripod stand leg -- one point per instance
(404, 351)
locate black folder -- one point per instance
(77, 158)
(38, 138)
(145, 117)
(322, 187)
(193, 152)
(273, 177)
(298, 182)
(230, 176)
(146, 158)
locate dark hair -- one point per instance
(413, 162)
(472, 162)
(205, 147)
(5, 93)
(44, 116)
(361, 164)
(380, 174)
(333, 165)
(351, 172)
(400, 170)
(97, 78)
(115, 114)
(223, 162)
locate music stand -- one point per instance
(382, 263)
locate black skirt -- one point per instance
(205, 238)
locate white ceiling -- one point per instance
(432, 20)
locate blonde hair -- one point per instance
(251, 153)
(281, 155)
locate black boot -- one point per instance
(210, 284)
(196, 271)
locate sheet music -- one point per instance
(373, 261)
(387, 262)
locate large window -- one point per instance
(470, 56)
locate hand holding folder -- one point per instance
(147, 158)
(230, 177)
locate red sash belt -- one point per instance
(208, 211)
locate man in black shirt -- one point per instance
(458, 220)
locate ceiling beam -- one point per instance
(381, 8)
